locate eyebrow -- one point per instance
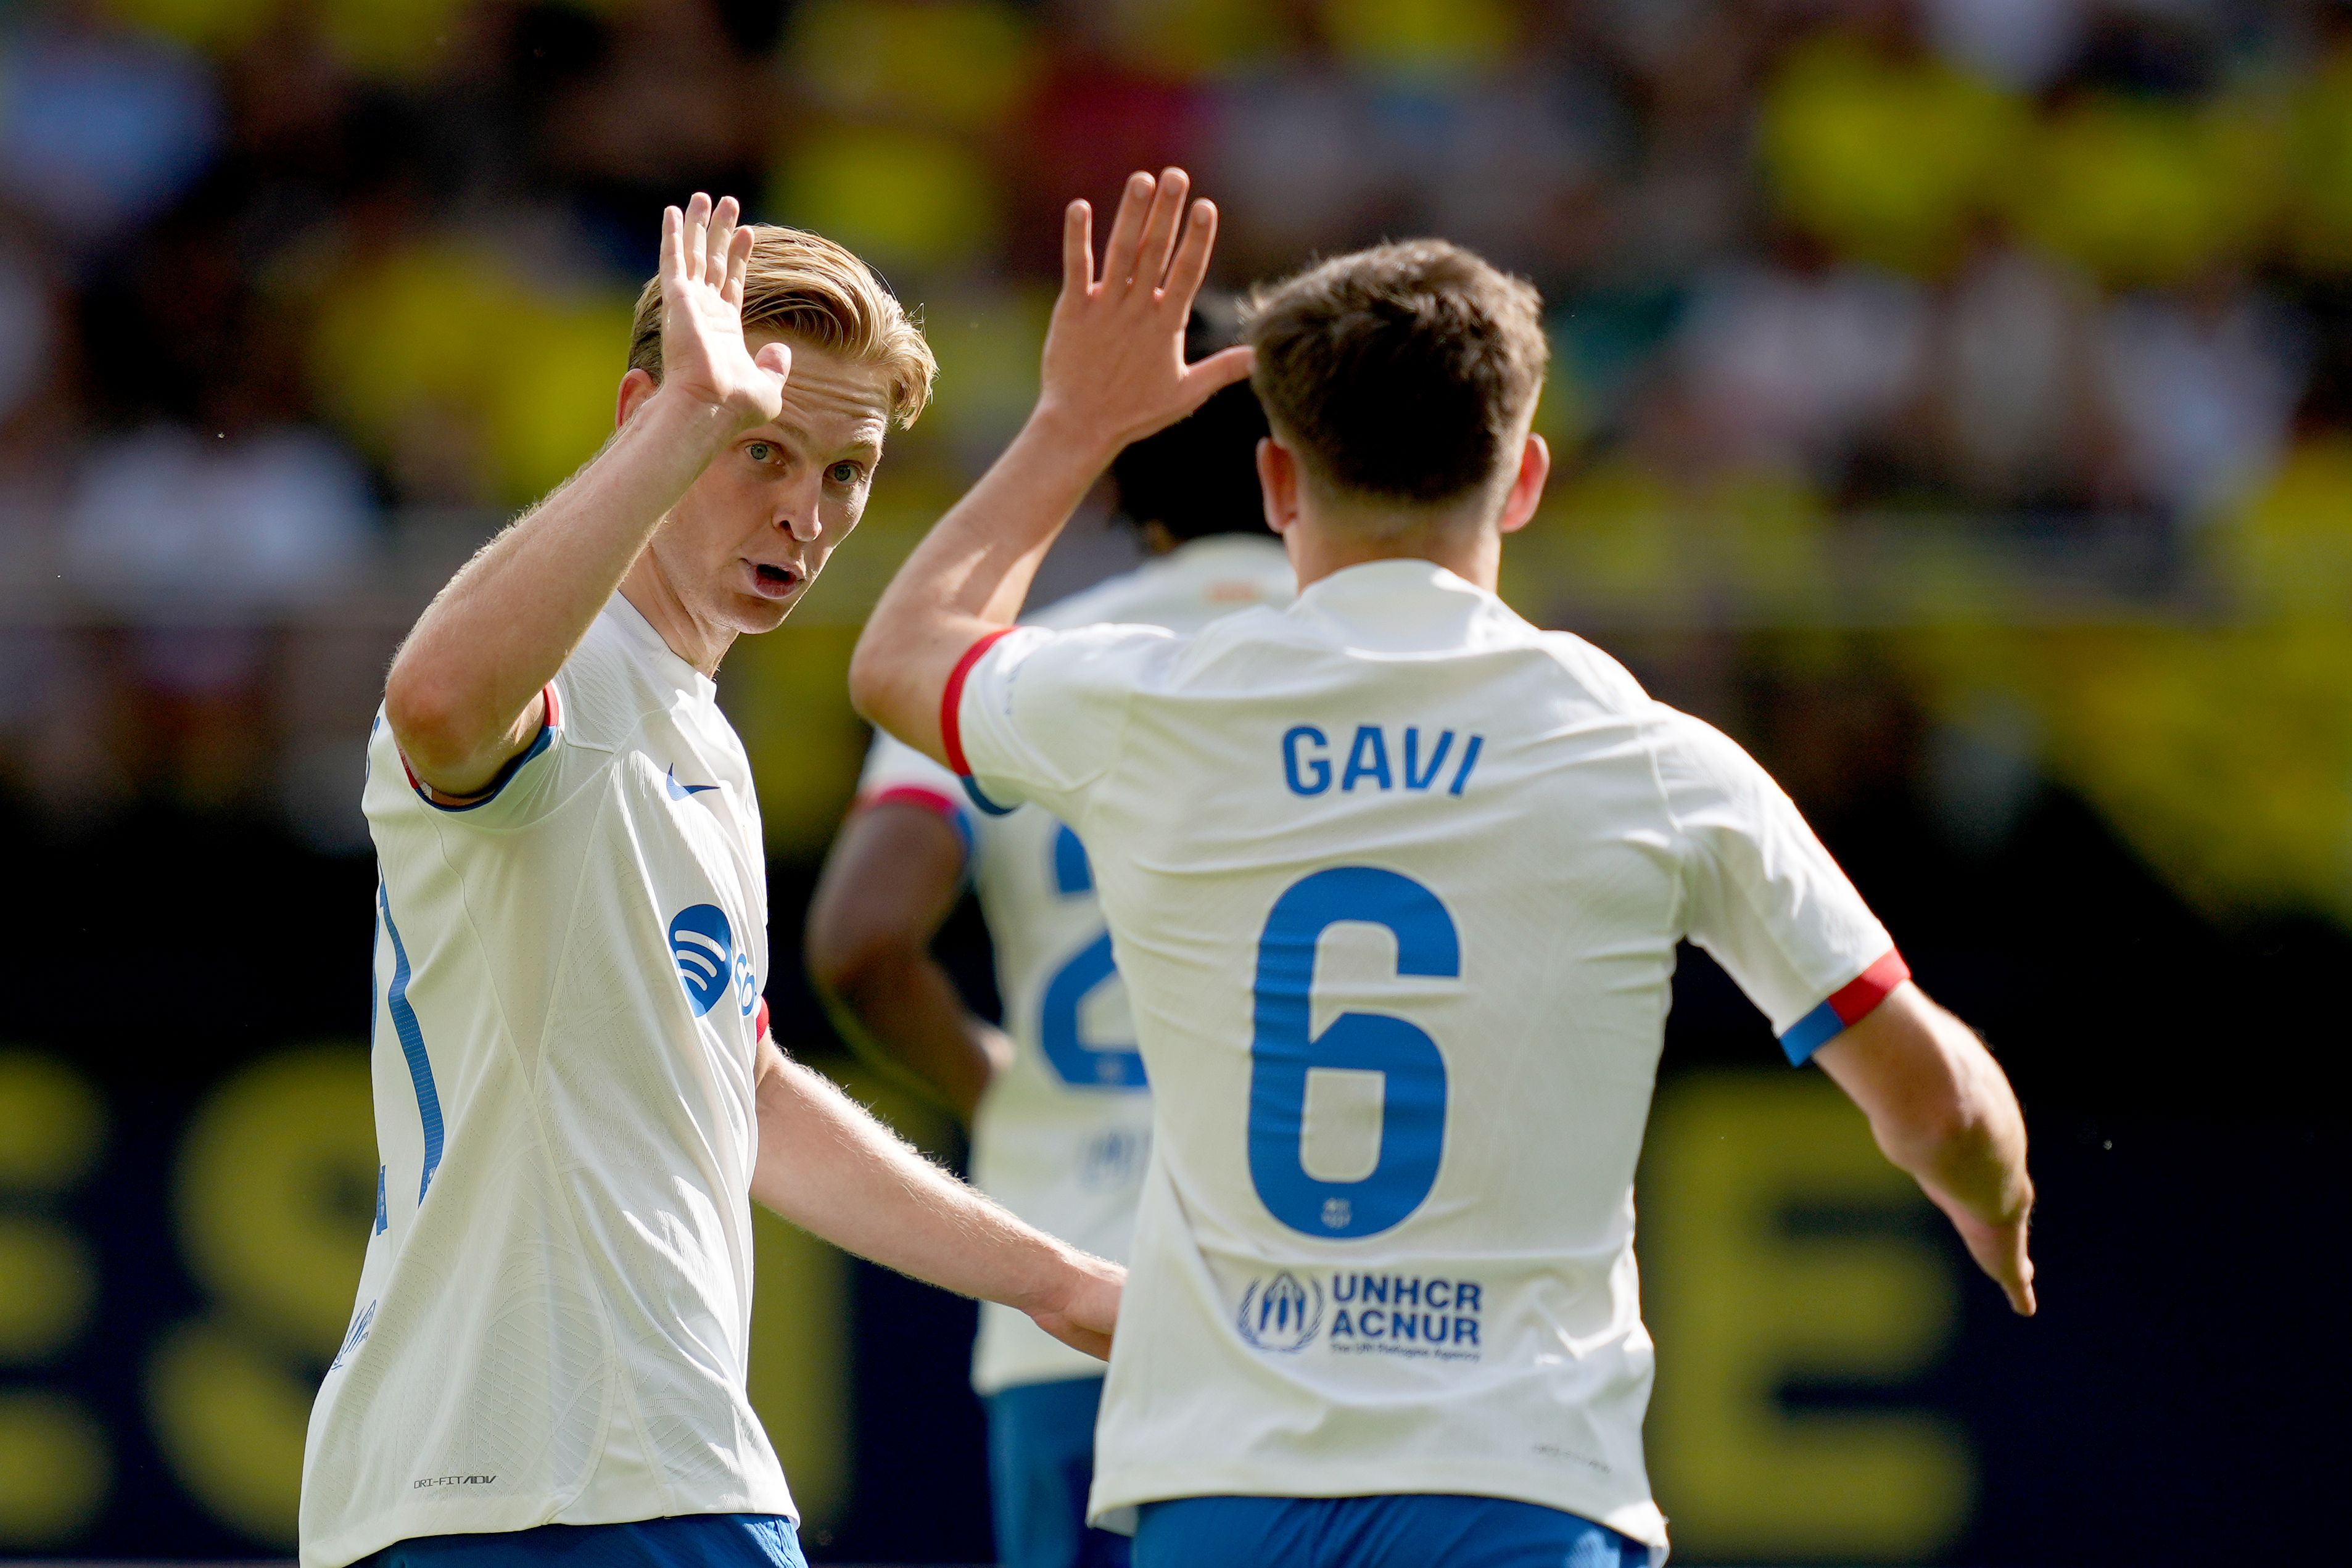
(868, 440)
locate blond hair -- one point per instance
(804, 287)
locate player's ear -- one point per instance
(635, 387)
(1527, 485)
(1277, 483)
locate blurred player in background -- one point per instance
(1060, 1122)
(576, 1091)
(1395, 881)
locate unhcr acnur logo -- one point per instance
(1281, 1313)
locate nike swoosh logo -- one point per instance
(678, 791)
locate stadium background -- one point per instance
(1955, 402)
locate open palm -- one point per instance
(1113, 363)
(704, 255)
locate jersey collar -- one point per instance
(657, 653)
(1405, 606)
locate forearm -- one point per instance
(1942, 1111)
(481, 653)
(1974, 1158)
(829, 1167)
(1938, 1105)
(903, 1015)
(971, 575)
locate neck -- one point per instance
(693, 639)
(1318, 546)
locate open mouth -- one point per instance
(774, 581)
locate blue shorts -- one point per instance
(687, 1540)
(1041, 1462)
(1407, 1530)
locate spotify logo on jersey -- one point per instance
(704, 946)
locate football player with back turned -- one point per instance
(1395, 881)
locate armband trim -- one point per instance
(1846, 1007)
(549, 722)
(952, 702)
(935, 801)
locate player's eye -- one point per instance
(759, 451)
(843, 473)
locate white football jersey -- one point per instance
(554, 1313)
(1394, 881)
(1062, 1137)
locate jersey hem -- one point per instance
(1116, 1490)
(1035, 1377)
(356, 1542)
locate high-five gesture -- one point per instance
(1115, 366)
(703, 257)
(1114, 373)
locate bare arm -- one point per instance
(463, 697)
(1114, 373)
(1942, 1110)
(833, 1169)
(891, 881)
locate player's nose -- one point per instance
(801, 513)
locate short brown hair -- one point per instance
(805, 287)
(1400, 372)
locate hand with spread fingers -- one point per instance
(704, 252)
(1114, 368)
(1114, 373)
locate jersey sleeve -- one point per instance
(522, 789)
(897, 774)
(1037, 715)
(1766, 899)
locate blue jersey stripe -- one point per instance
(411, 1046)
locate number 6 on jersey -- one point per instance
(1282, 1054)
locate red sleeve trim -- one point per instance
(914, 795)
(759, 1023)
(1854, 1001)
(952, 702)
(1848, 1005)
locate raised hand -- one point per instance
(1115, 370)
(703, 258)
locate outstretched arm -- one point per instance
(891, 881)
(1114, 372)
(833, 1169)
(1942, 1110)
(463, 697)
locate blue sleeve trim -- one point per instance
(1810, 1033)
(1845, 1006)
(972, 792)
(515, 764)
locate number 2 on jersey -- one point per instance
(1282, 1053)
(1077, 1061)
